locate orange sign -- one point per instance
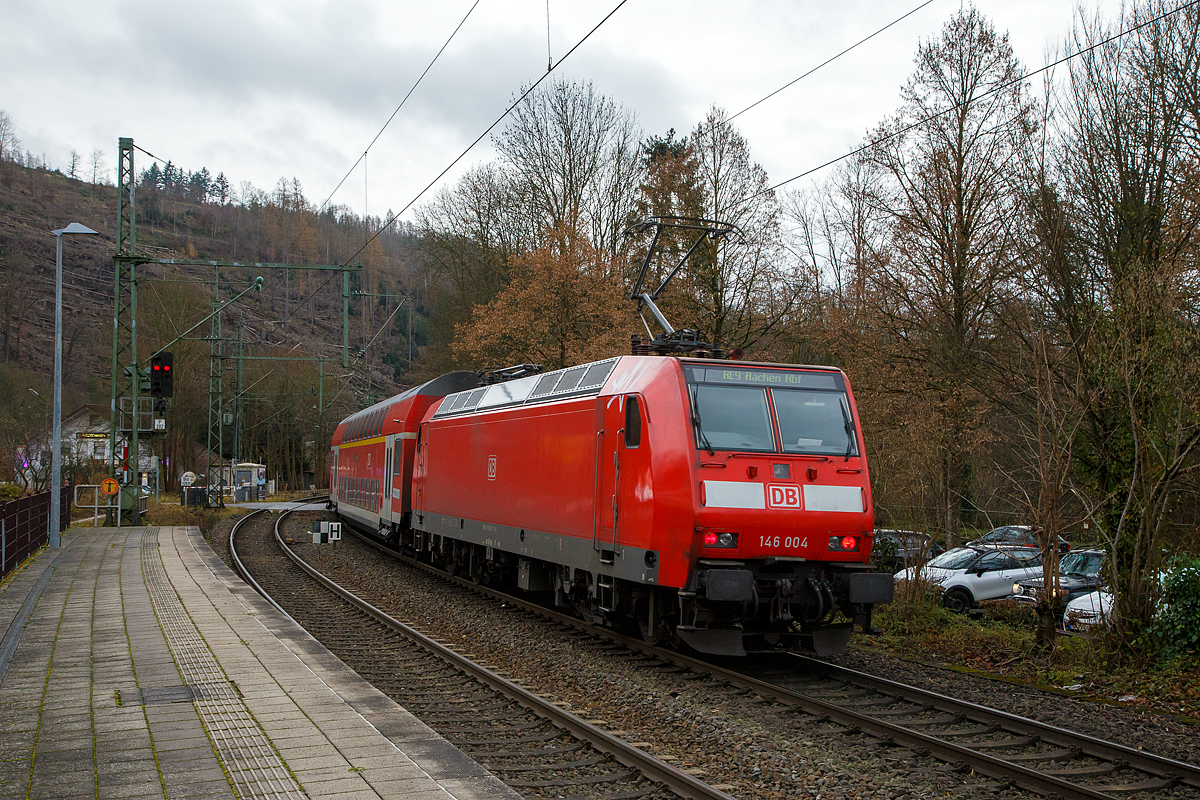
(110, 486)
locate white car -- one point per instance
(1088, 611)
(970, 574)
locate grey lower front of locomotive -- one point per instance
(777, 605)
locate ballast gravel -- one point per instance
(751, 748)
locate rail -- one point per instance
(1165, 771)
(678, 781)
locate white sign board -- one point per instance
(187, 479)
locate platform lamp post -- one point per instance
(56, 437)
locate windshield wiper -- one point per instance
(849, 427)
(699, 426)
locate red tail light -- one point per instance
(720, 539)
(843, 543)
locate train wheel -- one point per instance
(478, 568)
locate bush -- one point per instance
(917, 610)
(1021, 616)
(1175, 631)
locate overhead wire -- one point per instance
(828, 61)
(550, 67)
(461, 156)
(994, 90)
(147, 152)
(402, 102)
(489, 129)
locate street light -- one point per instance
(56, 437)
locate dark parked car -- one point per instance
(1015, 536)
(1078, 574)
(896, 550)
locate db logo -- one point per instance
(491, 468)
(783, 496)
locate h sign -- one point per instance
(783, 496)
(491, 468)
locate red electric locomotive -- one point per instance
(726, 504)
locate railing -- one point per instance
(24, 527)
(88, 496)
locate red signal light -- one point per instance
(166, 367)
(156, 367)
(710, 539)
(849, 543)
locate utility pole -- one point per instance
(127, 374)
(126, 377)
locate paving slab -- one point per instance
(134, 664)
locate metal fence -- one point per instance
(23, 527)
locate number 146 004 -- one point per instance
(789, 542)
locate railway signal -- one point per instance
(161, 369)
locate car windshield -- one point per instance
(1009, 533)
(1081, 563)
(958, 558)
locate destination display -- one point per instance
(764, 377)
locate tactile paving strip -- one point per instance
(253, 765)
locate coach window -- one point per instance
(633, 422)
(397, 456)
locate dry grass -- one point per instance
(1000, 641)
(172, 514)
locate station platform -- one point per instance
(135, 664)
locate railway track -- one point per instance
(1006, 749)
(534, 746)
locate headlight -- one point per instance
(1018, 589)
(722, 539)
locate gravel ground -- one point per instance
(750, 748)
(1159, 733)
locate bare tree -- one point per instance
(940, 178)
(10, 146)
(1114, 214)
(577, 154)
(76, 160)
(99, 167)
(734, 291)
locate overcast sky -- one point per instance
(264, 89)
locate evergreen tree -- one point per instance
(221, 189)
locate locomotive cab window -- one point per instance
(633, 423)
(732, 418)
(771, 410)
(815, 422)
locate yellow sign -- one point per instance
(110, 486)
